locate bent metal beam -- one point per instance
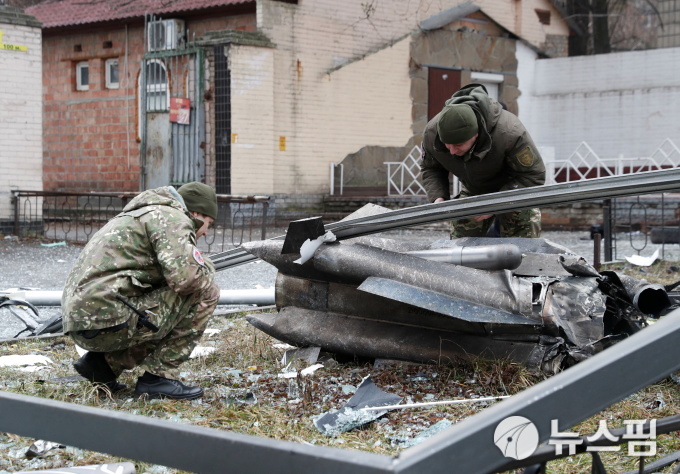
(564, 193)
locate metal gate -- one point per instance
(172, 118)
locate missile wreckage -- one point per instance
(526, 300)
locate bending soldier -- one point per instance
(489, 150)
(141, 293)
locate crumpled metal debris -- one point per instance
(351, 416)
(307, 354)
(41, 448)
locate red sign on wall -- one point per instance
(180, 110)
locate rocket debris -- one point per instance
(382, 298)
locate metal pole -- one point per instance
(15, 201)
(263, 297)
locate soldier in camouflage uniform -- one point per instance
(489, 150)
(147, 256)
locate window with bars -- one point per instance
(157, 91)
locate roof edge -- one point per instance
(15, 16)
(244, 38)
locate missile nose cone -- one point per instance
(267, 250)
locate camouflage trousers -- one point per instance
(524, 223)
(181, 321)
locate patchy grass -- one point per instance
(246, 363)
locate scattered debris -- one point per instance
(406, 442)
(310, 246)
(248, 398)
(113, 468)
(641, 261)
(442, 402)
(201, 351)
(41, 448)
(307, 354)
(283, 346)
(351, 416)
(288, 374)
(28, 315)
(24, 360)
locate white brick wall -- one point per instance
(20, 114)
(620, 104)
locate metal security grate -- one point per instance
(222, 121)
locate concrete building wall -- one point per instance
(20, 106)
(328, 102)
(619, 104)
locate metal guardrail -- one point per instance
(525, 198)
(76, 217)
(466, 447)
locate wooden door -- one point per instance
(441, 85)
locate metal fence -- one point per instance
(403, 177)
(75, 217)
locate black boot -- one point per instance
(155, 386)
(93, 367)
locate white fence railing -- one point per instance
(584, 163)
(403, 177)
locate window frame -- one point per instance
(157, 88)
(110, 84)
(80, 86)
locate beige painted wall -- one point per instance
(21, 113)
(340, 81)
(519, 16)
(254, 135)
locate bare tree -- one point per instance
(603, 26)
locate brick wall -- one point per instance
(91, 137)
(20, 117)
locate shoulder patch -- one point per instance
(525, 157)
(198, 257)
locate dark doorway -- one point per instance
(441, 85)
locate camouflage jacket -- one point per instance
(504, 156)
(151, 244)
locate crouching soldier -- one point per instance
(141, 293)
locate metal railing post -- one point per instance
(607, 229)
(15, 201)
(265, 207)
